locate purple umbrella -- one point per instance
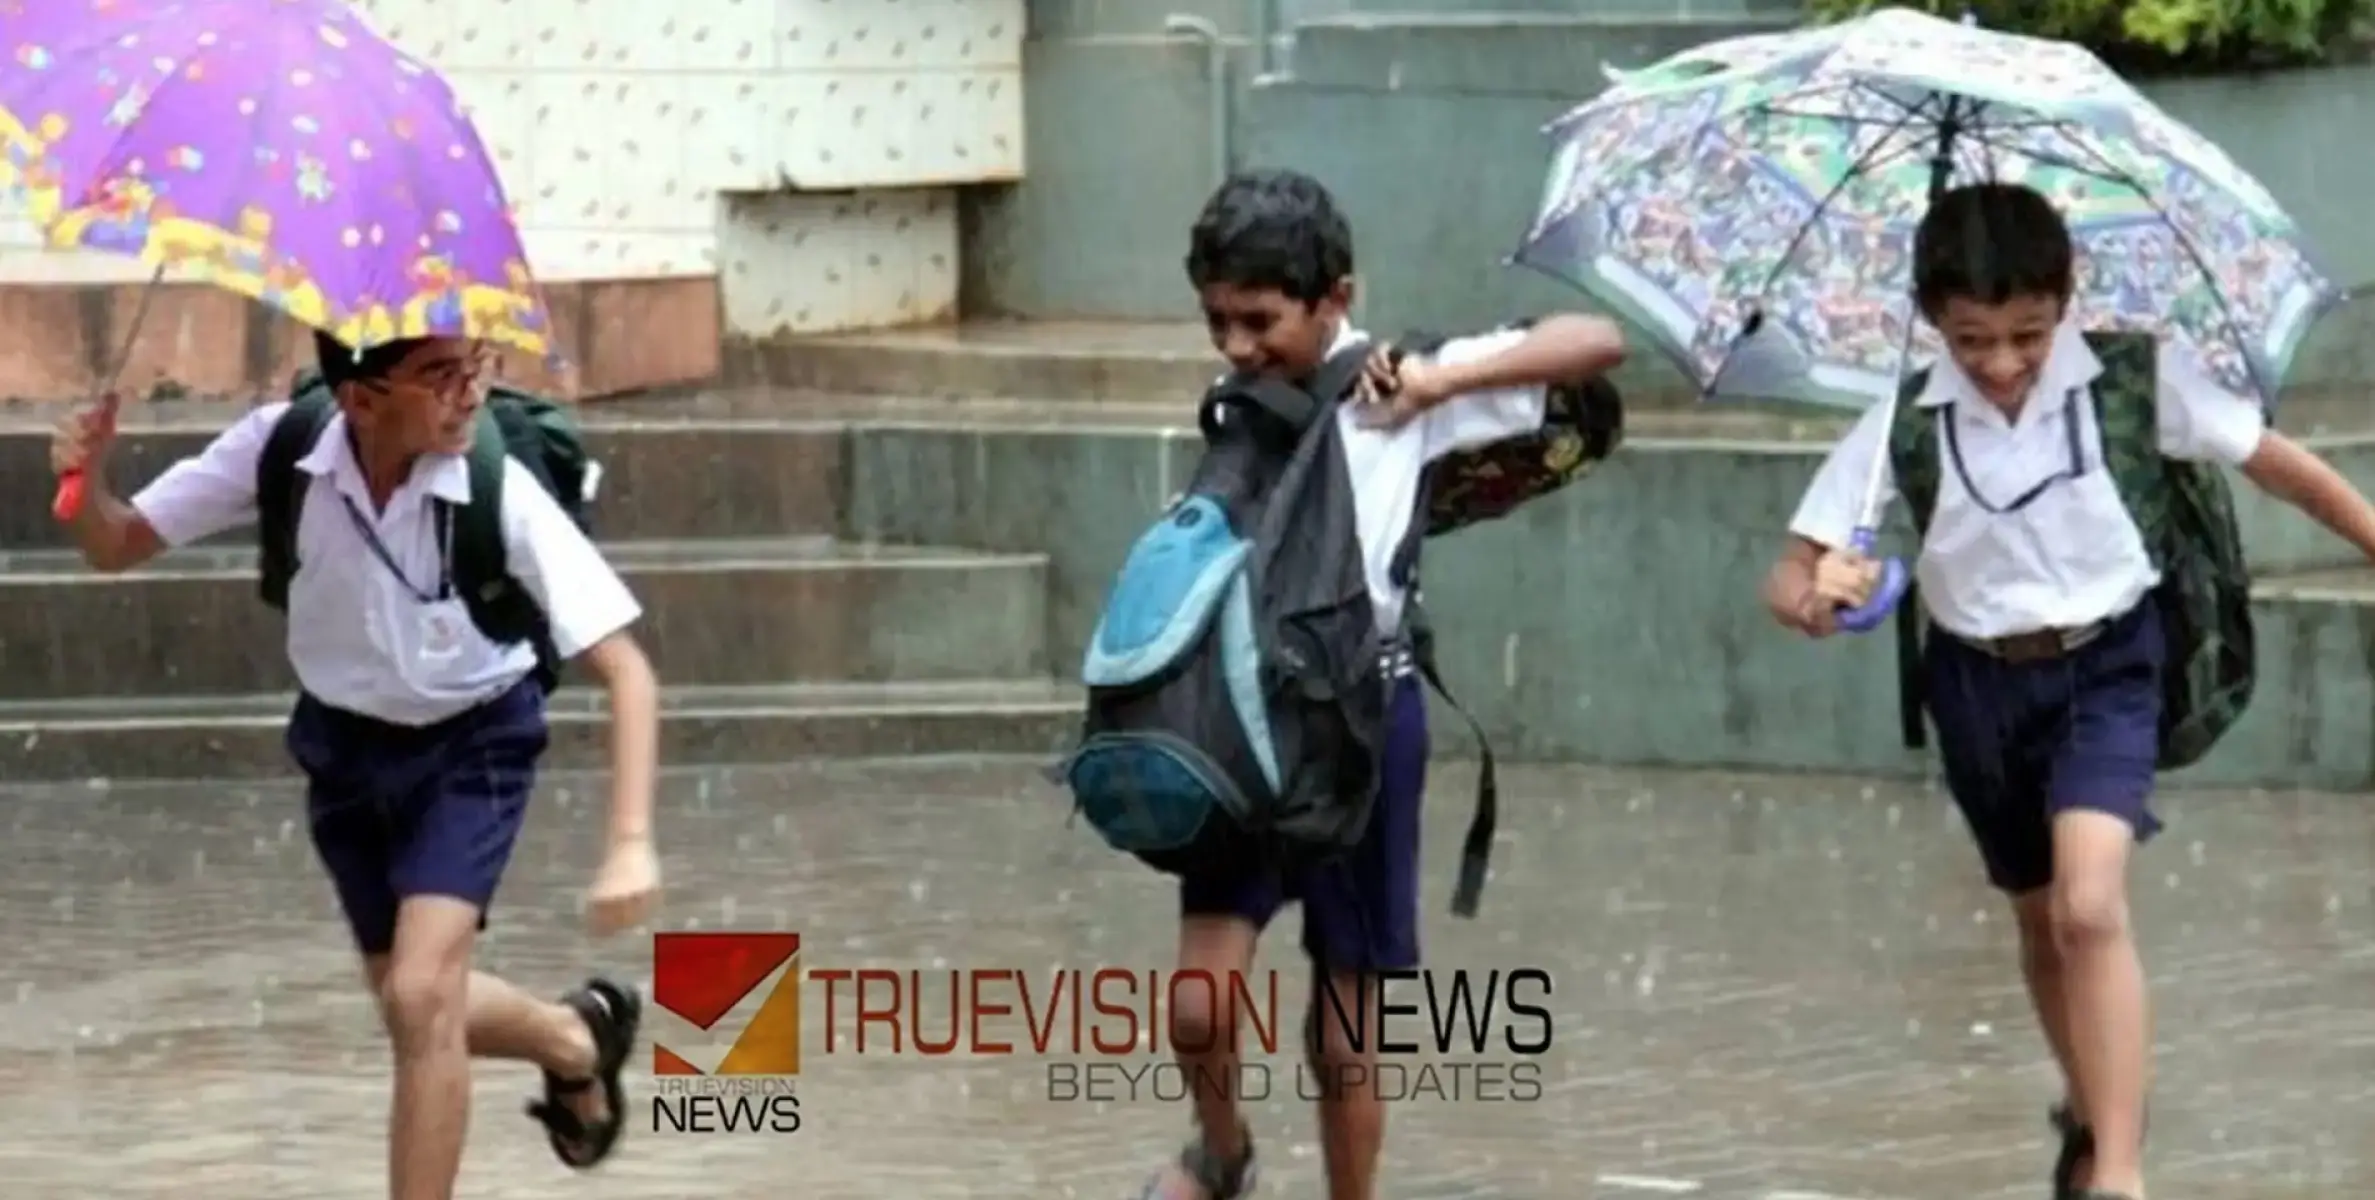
(277, 148)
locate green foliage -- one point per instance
(2163, 37)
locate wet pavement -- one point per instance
(1765, 989)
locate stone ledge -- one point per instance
(201, 343)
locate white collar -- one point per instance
(445, 476)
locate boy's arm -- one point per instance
(2204, 422)
(2289, 471)
(1499, 379)
(195, 498)
(1826, 519)
(588, 609)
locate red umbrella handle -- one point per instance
(68, 504)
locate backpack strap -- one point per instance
(1914, 465)
(281, 487)
(1291, 410)
(1476, 851)
(500, 608)
(2127, 415)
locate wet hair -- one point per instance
(340, 366)
(1271, 230)
(1989, 243)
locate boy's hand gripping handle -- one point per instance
(1894, 579)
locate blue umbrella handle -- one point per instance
(1894, 579)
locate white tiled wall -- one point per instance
(618, 125)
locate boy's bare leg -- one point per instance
(498, 1021)
(2042, 970)
(2103, 980)
(424, 998)
(1204, 1039)
(1351, 1108)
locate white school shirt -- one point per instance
(360, 639)
(1384, 465)
(2073, 556)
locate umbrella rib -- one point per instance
(2226, 310)
(1868, 160)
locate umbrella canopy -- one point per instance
(280, 149)
(1751, 204)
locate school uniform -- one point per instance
(1360, 913)
(419, 738)
(2043, 664)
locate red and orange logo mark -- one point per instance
(704, 977)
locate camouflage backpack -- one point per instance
(2186, 513)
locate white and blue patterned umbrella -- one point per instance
(1751, 204)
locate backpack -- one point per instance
(515, 425)
(2186, 512)
(1582, 424)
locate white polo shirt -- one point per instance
(1384, 466)
(2073, 556)
(359, 638)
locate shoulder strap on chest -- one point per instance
(280, 486)
(1913, 450)
(2127, 413)
(482, 572)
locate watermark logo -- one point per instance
(741, 989)
(1457, 1035)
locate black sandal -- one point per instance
(2078, 1145)
(1220, 1178)
(612, 1012)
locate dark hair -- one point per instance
(340, 365)
(1277, 230)
(1990, 242)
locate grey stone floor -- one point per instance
(1767, 989)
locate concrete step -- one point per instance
(2312, 717)
(1548, 53)
(662, 478)
(1164, 362)
(717, 612)
(240, 736)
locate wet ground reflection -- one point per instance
(1763, 985)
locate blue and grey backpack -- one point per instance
(1236, 703)
(1237, 697)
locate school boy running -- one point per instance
(2043, 668)
(418, 736)
(1272, 264)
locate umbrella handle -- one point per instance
(1894, 579)
(68, 503)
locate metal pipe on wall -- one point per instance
(1216, 76)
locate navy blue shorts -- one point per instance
(2022, 742)
(400, 811)
(1360, 913)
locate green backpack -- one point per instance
(2186, 512)
(512, 424)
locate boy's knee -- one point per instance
(1341, 1029)
(423, 999)
(1214, 954)
(2089, 910)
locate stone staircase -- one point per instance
(775, 638)
(894, 544)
